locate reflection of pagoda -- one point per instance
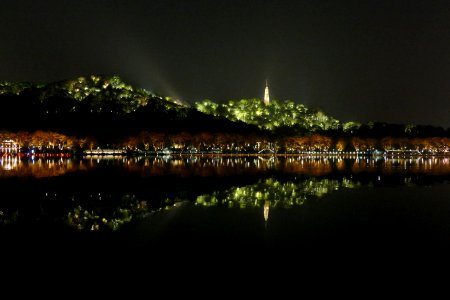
(266, 94)
(266, 210)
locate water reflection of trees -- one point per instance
(274, 193)
(8, 216)
(265, 193)
(287, 182)
(91, 215)
(84, 218)
(226, 166)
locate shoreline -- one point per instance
(322, 154)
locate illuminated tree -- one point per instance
(181, 140)
(351, 126)
(145, 139)
(158, 140)
(388, 143)
(341, 144)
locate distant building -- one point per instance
(266, 151)
(9, 146)
(266, 95)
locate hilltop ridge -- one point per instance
(103, 107)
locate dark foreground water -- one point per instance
(226, 206)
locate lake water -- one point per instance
(226, 204)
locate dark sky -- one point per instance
(362, 60)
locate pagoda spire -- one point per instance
(266, 94)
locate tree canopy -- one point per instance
(277, 114)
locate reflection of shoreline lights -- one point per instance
(36, 166)
(220, 166)
(9, 163)
(212, 166)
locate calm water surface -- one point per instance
(226, 204)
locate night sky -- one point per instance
(361, 60)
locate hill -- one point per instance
(106, 108)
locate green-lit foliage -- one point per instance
(8, 217)
(277, 114)
(108, 95)
(274, 193)
(93, 94)
(103, 218)
(351, 126)
(13, 88)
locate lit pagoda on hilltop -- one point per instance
(266, 95)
